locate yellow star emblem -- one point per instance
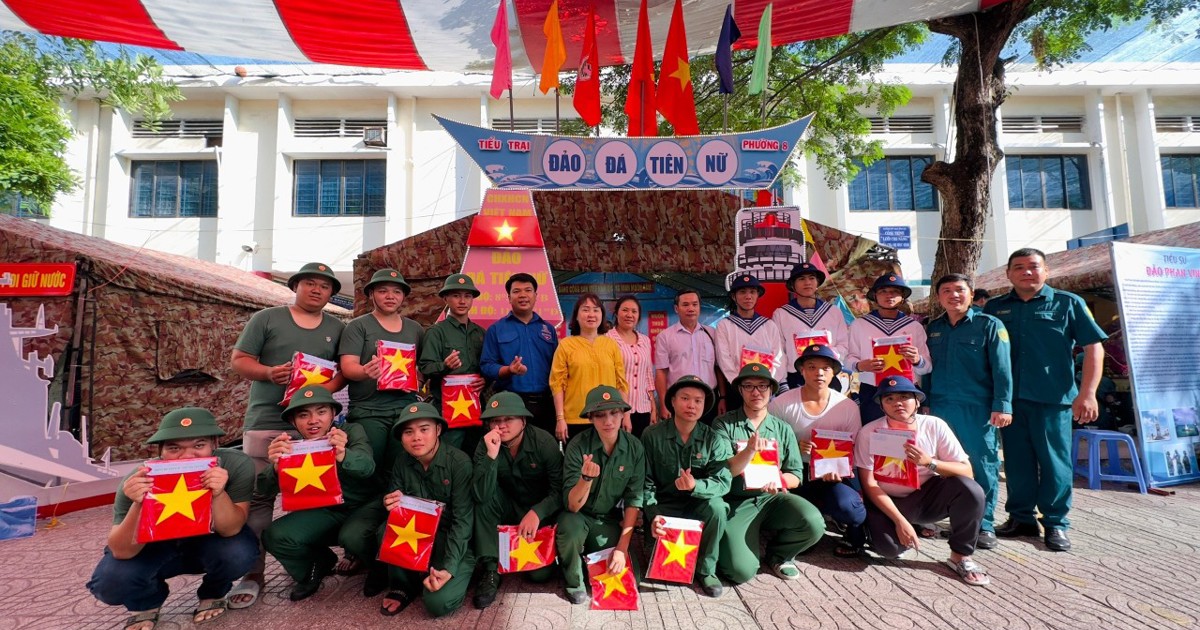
(504, 232)
(683, 72)
(759, 459)
(312, 377)
(892, 360)
(398, 362)
(612, 582)
(678, 551)
(408, 535)
(832, 451)
(178, 501)
(461, 405)
(898, 463)
(308, 474)
(526, 552)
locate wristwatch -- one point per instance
(932, 466)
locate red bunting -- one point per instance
(832, 451)
(763, 469)
(399, 366)
(894, 364)
(308, 370)
(518, 554)
(178, 505)
(409, 533)
(460, 401)
(308, 477)
(676, 553)
(611, 591)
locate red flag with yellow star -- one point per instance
(308, 370)
(399, 365)
(460, 401)
(801, 341)
(894, 363)
(308, 477)
(676, 553)
(518, 554)
(890, 464)
(611, 591)
(763, 469)
(409, 533)
(832, 452)
(675, 96)
(178, 505)
(507, 231)
(751, 354)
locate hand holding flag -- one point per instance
(177, 503)
(307, 370)
(613, 588)
(675, 550)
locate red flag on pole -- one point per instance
(178, 505)
(611, 591)
(587, 82)
(502, 67)
(676, 98)
(460, 401)
(518, 554)
(676, 553)
(640, 101)
(894, 363)
(399, 365)
(409, 533)
(308, 370)
(308, 477)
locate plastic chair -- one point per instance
(1113, 470)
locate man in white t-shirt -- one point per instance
(814, 405)
(944, 489)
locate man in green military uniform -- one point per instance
(517, 481)
(1045, 326)
(603, 467)
(428, 469)
(971, 385)
(453, 346)
(263, 355)
(686, 472)
(134, 575)
(300, 540)
(795, 523)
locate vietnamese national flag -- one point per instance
(757, 355)
(832, 452)
(890, 465)
(640, 99)
(675, 97)
(399, 365)
(178, 505)
(502, 66)
(492, 231)
(409, 533)
(676, 553)
(308, 370)
(763, 469)
(805, 339)
(308, 477)
(611, 591)
(894, 364)
(587, 81)
(518, 554)
(460, 401)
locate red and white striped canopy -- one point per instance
(450, 35)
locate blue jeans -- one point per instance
(140, 583)
(841, 502)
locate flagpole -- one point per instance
(762, 108)
(512, 123)
(555, 111)
(724, 113)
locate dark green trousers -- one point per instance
(1037, 463)
(712, 512)
(498, 510)
(795, 525)
(300, 539)
(579, 534)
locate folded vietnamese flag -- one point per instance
(409, 533)
(518, 554)
(894, 364)
(178, 505)
(460, 401)
(805, 339)
(757, 355)
(308, 477)
(763, 468)
(308, 370)
(675, 554)
(832, 453)
(399, 366)
(891, 465)
(611, 591)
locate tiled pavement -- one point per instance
(1135, 565)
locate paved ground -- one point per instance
(1135, 565)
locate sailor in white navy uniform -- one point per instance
(888, 292)
(805, 314)
(745, 329)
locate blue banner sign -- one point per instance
(895, 236)
(525, 161)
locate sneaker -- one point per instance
(786, 570)
(485, 591)
(711, 585)
(577, 595)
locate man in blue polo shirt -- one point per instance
(1045, 326)
(518, 350)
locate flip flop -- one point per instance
(397, 596)
(846, 550)
(970, 572)
(143, 617)
(246, 587)
(218, 604)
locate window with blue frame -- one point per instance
(1052, 182)
(893, 183)
(18, 205)
(173, 188)
(332, 188)
(1180, 174)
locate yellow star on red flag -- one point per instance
(678, 551)
(398, 361)
(313, 377)
(504, 231)
(461, 405)
(892, 360)
(178, 501)
(832, 451)
(308, 474)
(526, 552)
(683, 72)
(408, 535)
(612, 582)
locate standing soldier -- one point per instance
(888, 292)
(453, 346)
(1045, 326)
(688, 347)
(745, 330)
(971, 386)
(804, 313)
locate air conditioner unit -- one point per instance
(375, 136)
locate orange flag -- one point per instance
(894, 364)
(518, 554)
(409, 533)
(178, 505)
(399, 365)
(308, 370)
(611, 591)
(639, 101)
(556, 51)
(308, 477)
(676, 553)
(675, 97)
(587, 82)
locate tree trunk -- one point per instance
(965, 184)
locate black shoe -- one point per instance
(577, 596)
(711, 585)
(986, 540)
(1015, 529)
(312, 582)
(1056, 539)
(377, 579)
(485, 591)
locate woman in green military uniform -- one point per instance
(300, 540)
(453, 346)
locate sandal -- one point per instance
(216, 604)
(397, 596)
(970, 572)
(143, 617)
(250, 585)
(926, 531)
(846, 550)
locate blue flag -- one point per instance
(729, 34)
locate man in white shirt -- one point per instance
(805, 315)
(688, 347)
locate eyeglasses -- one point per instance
(746, 387)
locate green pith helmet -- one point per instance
(310, 395)
(603, 398)
(417, 411)
(188, 422)
(318, 270)
(505, 404)
(756, 370)
(710, 397)
(387, 275)
(459, 282)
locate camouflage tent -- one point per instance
(155, 332)
(650, 233)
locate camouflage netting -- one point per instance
(634, 232)
(157, 331)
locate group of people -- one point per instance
(648, 435)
